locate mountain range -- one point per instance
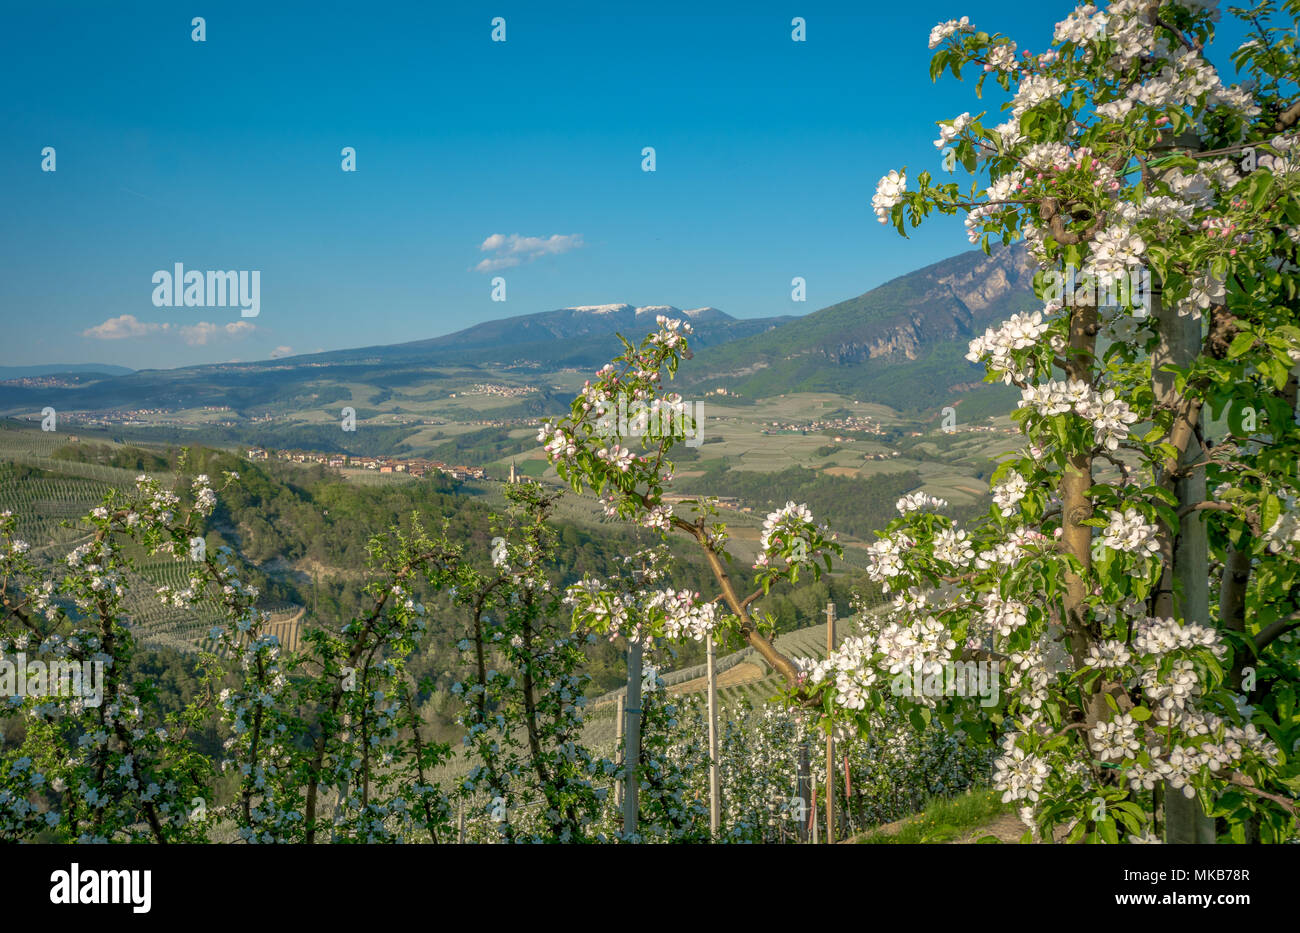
(578, 336)
(59, 369)
(901, 344)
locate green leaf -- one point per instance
(1140, 713)
(1269, 515)
(936, 65)
(1260, 195)
(1240, 344)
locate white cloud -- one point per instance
(197, 335)
(514, 249)
(118, 328)
(281, 351)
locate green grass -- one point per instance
(533, 468)
(943, 820)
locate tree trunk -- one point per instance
(1076, 508)
(1185, 585)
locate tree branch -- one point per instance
(1236, 779)
(1274, 631)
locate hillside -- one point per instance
(566, 324)
(57, 369)
(901, 344)
(582, 337)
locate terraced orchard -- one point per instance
(48, 496)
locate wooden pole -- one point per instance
(1188, 580)
(460, 823)
(850, 827)
(804, 790)
(715, 783)
(618, 745)
(1184, 588)
(812, 816)
(632, 754)
(830, 737)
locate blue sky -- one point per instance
(225, 154)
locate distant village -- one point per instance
(493, 388)
(724, 502)
(148, 418)
(413, 466)
(853, 423)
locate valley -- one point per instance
(453, 417)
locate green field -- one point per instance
(766, 435)
(48, 510)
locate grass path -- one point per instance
(967, 818)
(977, 816)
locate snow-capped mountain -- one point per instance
(571, 330)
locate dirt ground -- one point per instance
(1006, 827)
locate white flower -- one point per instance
(1180, 685)
(1115, 250)
(1206, 290)
(885, 558)
(1159, 636)
(683, 615)
(1002, 58)
(889, 192)
(1010, 491)
(1084, 24)
(1115, 110)
(947, 133)
(1110, 418)
(951, 546)
(1285, 530)
(659, 518)
(1193, 189)
(1129, 531)
(1003, 616)
(1107, 655)
(1019, 776)
(1005, 553)
(1115, 739)
(617, 457)
(917, 501)
(206, 500)
(941, 32)
(1021, 332)
(1034, 90)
